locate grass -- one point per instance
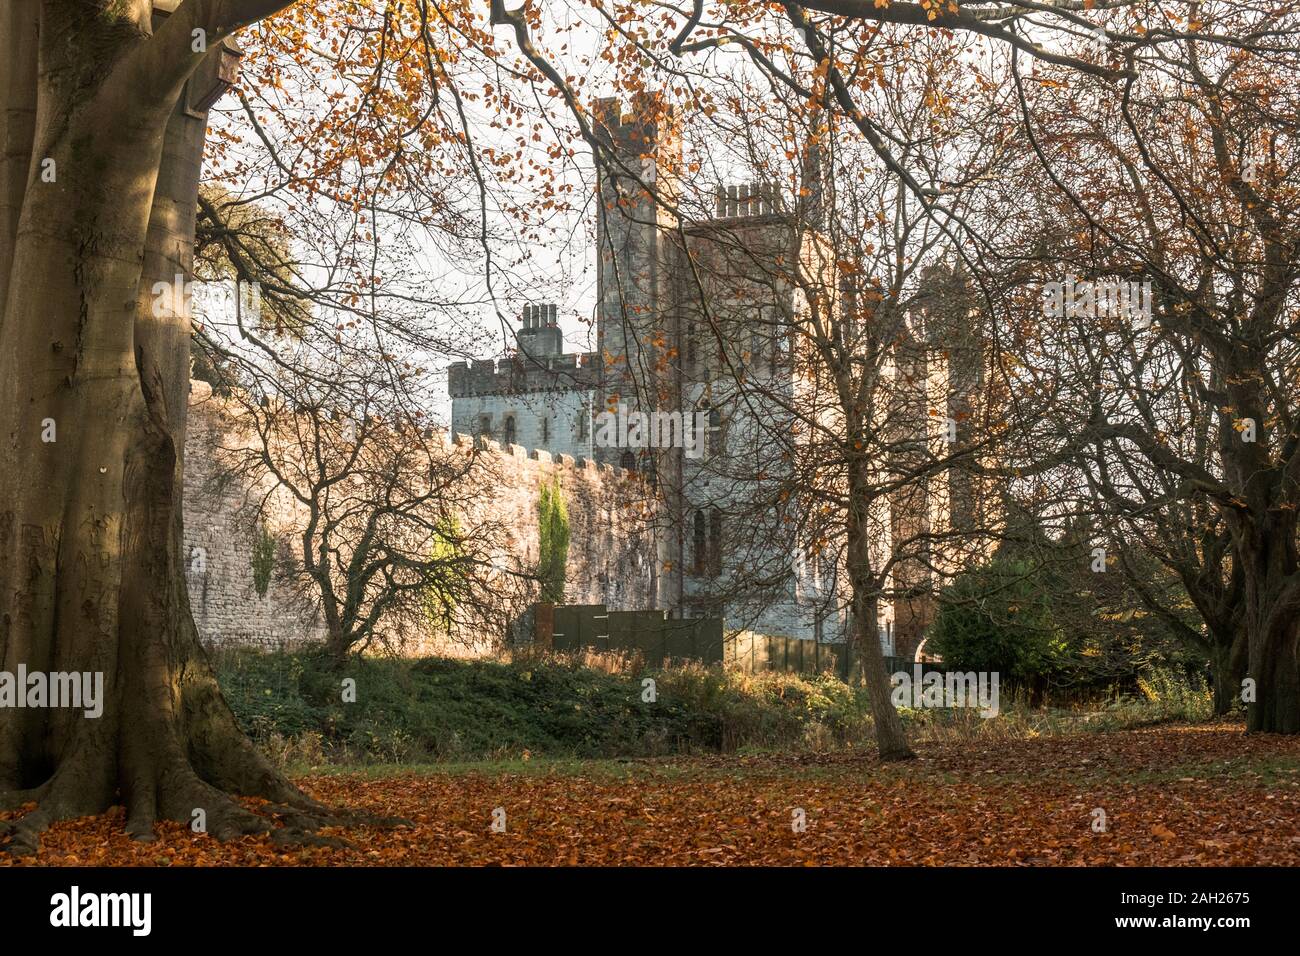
(529, 715)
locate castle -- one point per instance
(685, 309)
(688, 310)
(607, 562)
(686, 306)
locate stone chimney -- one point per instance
(539, 334)
(750, 199)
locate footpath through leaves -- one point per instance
(1200, 795)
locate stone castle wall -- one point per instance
(558, 421)
(610, 545)
(219, 535)
(609, 552)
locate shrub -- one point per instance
(439, 709)
(998, 618)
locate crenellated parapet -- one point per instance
(521, 460)
(609, 511)
(520, 374)
(648, 125)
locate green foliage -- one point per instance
(440, 594)
(263, 559)
(998, 618)
(553, 541)
(1170, 694)
(1044, 619)
(438, 709)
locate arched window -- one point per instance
(628, 461)
(510, 430)
(546, 430)
(698, 553)
(715, 432)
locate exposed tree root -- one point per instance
(223, 818)
(179, 793)
(893, 756)
(16, 799)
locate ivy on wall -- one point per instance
(263, 559)
(552, 541)
(444, 561)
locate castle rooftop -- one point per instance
(540, 364)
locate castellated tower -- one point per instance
(951, 514)
(677, 340)
(539, 398)
(638, 259)
(958, 336)
(920, 510)
(637, 315)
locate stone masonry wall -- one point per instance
(609, 552)
(218, 545)
(610, 546)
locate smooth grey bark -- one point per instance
(90, 523)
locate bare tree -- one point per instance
(391, 544)
(1183, 399)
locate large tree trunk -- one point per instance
(1267, 548)
(90, 570)
(1272, 633)
(1227, 670)
(17, 121)
(1275, 667)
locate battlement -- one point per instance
(651, 122)
(524, 373)
(521, 459)
(607, 508)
